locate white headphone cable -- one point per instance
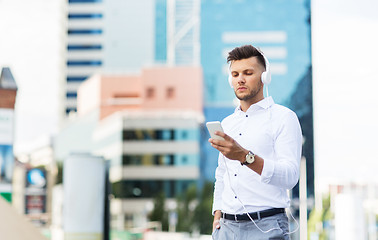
(263, 231)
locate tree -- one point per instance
(185, 208)
(320, 217)
(59, 175)
(159, 212)
(193, 210)
(202, 214)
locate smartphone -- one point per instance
(214, 126)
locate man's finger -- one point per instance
(217, 225)
(217, 142)
(221, 149)
(221, 134)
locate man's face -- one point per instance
(246, 79)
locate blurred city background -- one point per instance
(103, 105)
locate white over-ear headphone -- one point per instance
(266, 77)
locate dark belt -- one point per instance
(253, 215)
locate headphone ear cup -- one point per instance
(266, 78)
(263, 77)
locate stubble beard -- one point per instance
(253, 93)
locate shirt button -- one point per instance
(246, 115)
(236, 197)
(239, 134)
(235, 175)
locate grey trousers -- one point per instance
(275, 228)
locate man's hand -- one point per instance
(229, 147)
(217, 216)
(232, 150)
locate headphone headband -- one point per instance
(266, 77)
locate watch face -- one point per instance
(250, 157)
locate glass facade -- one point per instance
(68, 110)
(84, 1)
(71, 94)
(85, 63)
(282, 31)
(84, 31)
(84, 45)
(161, 31)
(76, 78)
(160, 134)
(133, 188)
(149, 160)
(84, 15)
(150, 188)
(160, 159)
(146, 135)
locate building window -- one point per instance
(68, 110)
(170, 92)
(84, 1)
(150, 188)
(84, 47)
(148, 160)
(85, 63)
(84, 31)
(184, 135)
(71, 95)
(76, 78)
(125, 95)
(171, 159)
(172, 134)
(84, 15)
(136, 188)
(150, 92)
(148, 134)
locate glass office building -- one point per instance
(282, 30)
(84, 45)
(106, 36)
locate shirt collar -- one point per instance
(265, 104)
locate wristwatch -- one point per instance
(249, 158)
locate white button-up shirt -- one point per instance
(272, 132)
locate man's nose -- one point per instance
(241, 78)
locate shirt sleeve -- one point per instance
(219, 184)
(283, 170)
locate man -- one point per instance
(259, 157)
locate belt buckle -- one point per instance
(236, 218)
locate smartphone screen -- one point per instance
(212, 127)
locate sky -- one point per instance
(26, 36)
(344, 37)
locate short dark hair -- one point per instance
(244, 52)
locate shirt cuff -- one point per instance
(267, 171)
(215, 207)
